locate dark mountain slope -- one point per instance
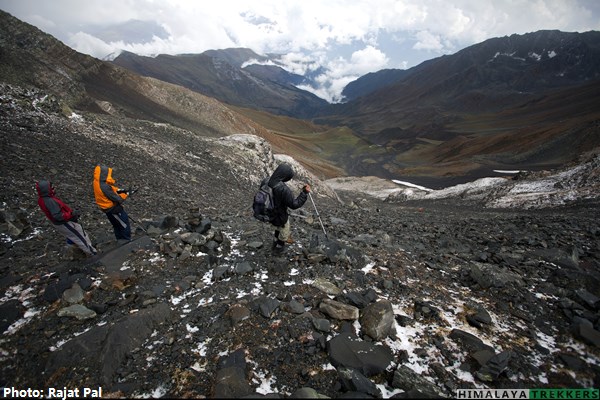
(499, 72)
(213, 75)
(30, 57)
(82, 83)
(275, 74)
(504, 90)
(235, 56)
(373, 81)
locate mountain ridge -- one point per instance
(413, 117)
(442, 100)
(217, 74)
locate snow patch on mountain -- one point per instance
(524, 190)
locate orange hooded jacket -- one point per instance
(105, 190)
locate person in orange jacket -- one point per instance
(110, 200)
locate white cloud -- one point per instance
(368, 60)
(428, 41)
(89, 44)
(339, 72)
(346, 36)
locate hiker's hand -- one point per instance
(74, 215)
(306, 188)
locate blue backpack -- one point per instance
(263, 204)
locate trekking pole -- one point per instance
(137, 223)
(129, 193)
(318, 216)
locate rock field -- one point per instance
(386, 299)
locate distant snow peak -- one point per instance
(254, 61)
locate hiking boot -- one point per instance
(278, 247)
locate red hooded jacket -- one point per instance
(56, 211)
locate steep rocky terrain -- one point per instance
(384, 292)
(386, 298)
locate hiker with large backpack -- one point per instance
(110, 200)
(63, 218)
(282, 199)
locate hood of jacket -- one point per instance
(102, 173)
(283, 173)
(45, 188)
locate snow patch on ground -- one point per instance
(527, 190)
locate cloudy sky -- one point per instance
(348, 38)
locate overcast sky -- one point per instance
(348, 37)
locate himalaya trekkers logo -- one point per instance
(543, 394)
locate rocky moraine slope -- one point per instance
(399, 298)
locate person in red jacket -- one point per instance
(63, 218)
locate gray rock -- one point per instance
(153, 230)
(238, 313)
(307, 393)
(55, 290)
(268, 306)
(167, 222)
(230, 381)
(243, 268)
(479, 317)
(255, 245)
(353, 381)
(322, 324)
(559, 257)
(113, 260)
(220, 272)
(586, 333)
(356, 299)
(102, 349)
(338, 310)
(73, 295)
(193, 238)
(407, 380)
(494, 367)
(365, 357)
(377, 319)
(483, 356)
(77, 311)
(492, 276)
(10, 312)
(294, 307)
(327, 287)
(588, 298)
(333, 250)
(468, 341)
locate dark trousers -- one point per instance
(121, 226)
